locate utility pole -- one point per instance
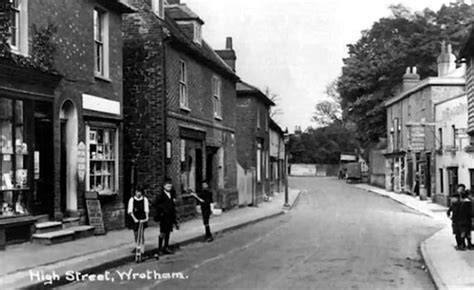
(286, 140)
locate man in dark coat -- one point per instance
(166, 215)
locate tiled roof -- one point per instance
(204, 52)
(182, 12)
(245, 88)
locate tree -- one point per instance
(275, 99)
(372, 73)
(329, 111)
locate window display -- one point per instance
(14, 159)
(102, 171)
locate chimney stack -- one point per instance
(410, 78)
(228, 43)
(446, 60)
(228, 54)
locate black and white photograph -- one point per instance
(237, 144)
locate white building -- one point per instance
(454, 161)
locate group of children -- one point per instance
(165, 208)
(461, 212)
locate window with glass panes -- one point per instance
(183, 85)
(216, 92)
(15, 23)
(103, 156)
(99, 41)
(14, 158)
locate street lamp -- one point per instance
(286, 140)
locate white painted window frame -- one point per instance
(21, 32)
(216, 97)
(104, 42)
(183, 85)
(116, 153)
(158, 7)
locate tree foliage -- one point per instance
(329, 111)
(373, 70)
(322, 145)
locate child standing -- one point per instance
(453, 213)
(138, 210)
(166, 215)
(205, 200)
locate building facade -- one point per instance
(186, 96)
(277, 157)
(454, 164)
(253, 137)
(65, 139)
(410, 157)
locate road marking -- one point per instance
(220, 256)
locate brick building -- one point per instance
(277, 157)
(180, 99)
(410, 126)
(71, 130)
(253, 137)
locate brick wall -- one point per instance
(144, 101)
(219, 133)
(74, 59)
(247, 135)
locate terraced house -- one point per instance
(61, 115)
(179, 105)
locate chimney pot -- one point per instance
(228, 44)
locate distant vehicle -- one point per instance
(354, 172)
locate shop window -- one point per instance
(216, 97)
(102, 144)
(101, 49)
(14, 161)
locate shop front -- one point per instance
(26, 150)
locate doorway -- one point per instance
(44, 159)
(428, 175)
(68, 176)
(452, 180)
(210, 166)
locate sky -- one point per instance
(294, 48)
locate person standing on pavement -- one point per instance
(138, 210)
(466, 212)
(205, 199)
(166, 215)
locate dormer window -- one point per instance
(158, 6)
(197, 33)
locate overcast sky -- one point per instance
(293, 47)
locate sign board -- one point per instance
(347, 157)
(98, 104)
(94, 213)
(81, 161)
(416, 138)
(461, 133)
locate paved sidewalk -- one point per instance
(114, 248)
(450, 269)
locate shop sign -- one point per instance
(81, 161)
(99, 104)
(94, 213)
(416, 138)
